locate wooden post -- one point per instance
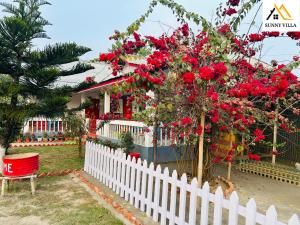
(32, 185)
(201, 150)
(230, 163)
(274, 149)
(3, 186)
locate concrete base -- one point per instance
(164, 153)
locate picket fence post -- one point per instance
(156, 193)
(251, 212)
(218, 206)
(123, 169)
(271, 216)
(182, 199)
(137, 183)
(127, 180)
(132, 180)
(150, 189)
(294, 220)
(144, 183)
(164, 201)
(173, 197)
(204, 204)
(193, 202)
(233, 209)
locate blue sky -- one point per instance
(91, 22)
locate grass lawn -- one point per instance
(55, 158)
(59, 201)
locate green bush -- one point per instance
(127, 142)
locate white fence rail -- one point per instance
(156, 192)
(138, 130)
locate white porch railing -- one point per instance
(42, 124)
(155, 192)
(138, 130)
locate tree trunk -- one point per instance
(230, 163)
(12, 126)
(201, 150)
(80, 147)
(274, 149)
(155, 137)
(155, 130)
(2, 154)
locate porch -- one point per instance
(142, 138)
(108, 117)
(40, 125)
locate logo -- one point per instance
(280, 15)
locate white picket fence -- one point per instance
(155, 192)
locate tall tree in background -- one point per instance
(27, 74)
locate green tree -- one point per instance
(76, 128)
(28, 75)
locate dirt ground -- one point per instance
(265, 191)
(59, 201)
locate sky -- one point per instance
(91, 22)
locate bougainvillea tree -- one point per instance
(204, 84)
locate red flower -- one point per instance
(224, 106)
(215, 116)
(234, 2)
(223, 128)
(217, 159)
(186, 121)
(230, 11)
(294, 35)
(271, 33)
(256, 37)
(191, 98)
(259, 135)
(174, 124)
(188, 59)
(283, 85)
(229, 158)
(136, 36)
(206, 73)
(219, 68)
(130, 80)
(188, 77)
(199, 130)
(253, 156)
(296, 58)
(224, 29)
(284, 127)
(107, 56)
(89, 79)
(214, 96)
(185, 30)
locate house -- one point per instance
(121, 111)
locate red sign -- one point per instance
(20, 164)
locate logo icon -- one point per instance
(281, 15)
(280, 11)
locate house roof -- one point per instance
(104, 83)
(102, 72)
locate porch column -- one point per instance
(82, 100)
(106, 103)
(149, 138)
(54, 125)
(106, 110)
(26, 127)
